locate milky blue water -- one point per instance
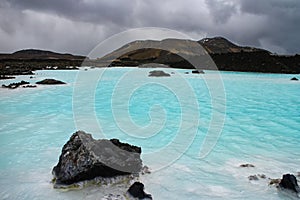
(262, 127)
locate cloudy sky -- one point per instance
(77, 26)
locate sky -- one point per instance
(77, 26)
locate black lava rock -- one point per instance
(50, 82)
(289, 182)
(294, 79)
(137, 191)
(84, 158)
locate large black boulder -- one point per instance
(84, 158)
(289, 182)
(137, 191)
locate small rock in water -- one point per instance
(289, 182)
(294, 79)
(158, 73)
(247, 165)
(50, 82)
(197, 72)
(137, 191)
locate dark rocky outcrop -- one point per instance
(137, 191)
(50, 82)
(158, 73)
(289, 182)
(15, 85)
(294, 79)
(84, 158)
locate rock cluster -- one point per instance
(15, 85)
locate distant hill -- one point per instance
(39, 55)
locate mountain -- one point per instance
(179, 53)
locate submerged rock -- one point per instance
(50, 82)
(137, 191)
(253, 178)
(256, 177)
(84, 158)
(289, 182)
(15, 85)
(294, 79)
(158, 73)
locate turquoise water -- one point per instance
(262, 124)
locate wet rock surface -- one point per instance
(50, 82)
(84, 158)
(137, 191)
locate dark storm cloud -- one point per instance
(78, 25)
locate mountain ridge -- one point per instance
(175, 53)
